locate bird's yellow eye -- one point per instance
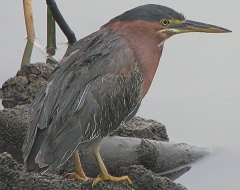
(165, 22)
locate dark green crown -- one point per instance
(149, 12)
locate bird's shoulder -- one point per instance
(103, 50)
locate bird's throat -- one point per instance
(148, 64)
(147, 44)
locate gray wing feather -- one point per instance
(82, 101)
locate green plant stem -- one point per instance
(51, 33)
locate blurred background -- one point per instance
(196, 90)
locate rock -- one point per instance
(142, 128)
(144, 159)
(21, 89)
(163, 158)
(13, 128)
(144, 179)
(13, 176)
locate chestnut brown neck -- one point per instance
(147, 44)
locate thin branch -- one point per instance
(27, 53)
(27, 7)
(51, 33)
(61, 21)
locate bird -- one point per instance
(99, 84)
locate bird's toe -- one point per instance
(75, 176)
(111, 178)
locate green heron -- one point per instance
(99, 84)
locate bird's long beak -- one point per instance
(193, 26)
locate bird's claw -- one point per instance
(111, 178)
(75, 176)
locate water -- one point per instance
(196, 89)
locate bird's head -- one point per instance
(166, 19)
(146, 28)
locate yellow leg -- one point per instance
(79, 174)
(104, 175)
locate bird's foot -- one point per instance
(111, 178)
(75, 176)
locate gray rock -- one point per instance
(13, 176)
(21, 90)
(142, 128)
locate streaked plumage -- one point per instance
(91, 94)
